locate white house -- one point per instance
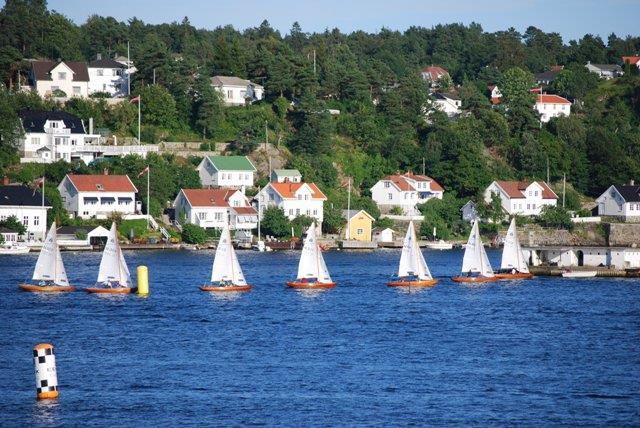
(383, 235)
(621, 201)
(547, 77)
(448, 103)
(226, 171)
(215, 208)
(550, 106)
(405, 191)
(98, 196)
(8, 235)
(434, 74)
(295, 199)
(494, 94)
(286, 175)
(27, 206)
(70, 77)
(108, 75)
(78, 236)
(522, 197)
(236, 91)
(605, 71)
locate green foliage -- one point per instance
(555, 216)
(443, 214)
(133, 228)
(383, 223)
(1, 239)
(396, 211)
(193, 234)
(300, 224)
(332, 221)
(81, 234)
(158, 107)
(275, 223)
(12, 223)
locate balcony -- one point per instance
(58, 131)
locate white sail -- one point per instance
(512, 257)
(49, 266)
(312, 263)
(225, 263)
(113, 267)
(475, 258)
(412, 261)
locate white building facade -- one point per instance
(27, 206)
(550, 106)
(405, 191)
(620, 201)
(98, 196)
(295, 199)
(226, 171)
(522, 197)
(108, 76)
(215, 208)
(286, 175)
(236, 91)
(69, 77)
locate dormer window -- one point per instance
(99, 187)
(62, 75)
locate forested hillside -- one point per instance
(373, 79)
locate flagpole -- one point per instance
(148, 206)
(43, 190)
(139, 102)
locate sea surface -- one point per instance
(541, 352)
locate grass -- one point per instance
(138, 226)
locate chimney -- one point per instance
(631, 182)
(99, 56)
(90, 126)
(5, 181)
(105, 171)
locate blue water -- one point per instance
(545, 350)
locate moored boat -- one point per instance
(13, 249)
(412, 270)
(568, 273)
(439, 245)
(312, 270)
(226, 273)
(49, 275)
(475, 263)
(113, 276)
(513, 264)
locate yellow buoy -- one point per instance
(44, 360)
(143, 280)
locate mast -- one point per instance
(349, 212)
(259, 214)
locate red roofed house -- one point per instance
(633, 60)
(550, 106)
(295, 199)
(214, 208)
(405, 191)
(522, 197)
(70, 77)
(433, 74)
(97, 196)
(494, 94)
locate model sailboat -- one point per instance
(226, 274)
(312, 270)
(49, 274)
(475, 263)
(513, 265)
(413, 270)
(113, 276)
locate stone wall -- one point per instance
(624, 234)
(582, 235)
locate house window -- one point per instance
(76, 90)
(246, 177)
(315, 212)
(528, 206)
(218, 216)
(54, 124)
(54, 88)
(25, 221)
(390, 196)
(85, 213)
(306, 197)
(35, 140)
(360, 231)
(529, 192)
(535, 193)
(36, 220)
(202, 216)
(100, 72)
(533, 206)
(387, 184)
(290, 211)
(62, 75)
(236, 203)
(297, 211)
(229, 94)
(406, 196)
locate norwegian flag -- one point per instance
(144, 171)
(135, 100)
(39, 183)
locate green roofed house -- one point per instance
(286, 176)
(226, 171)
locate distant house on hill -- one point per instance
(447, 103)
(108, 75)
(294, 199)
(434, 74)
(97, 196)
(405, 191)
(494, 94)
(469, 212)
(236, 91)
(621, 201)
(547, 77)
(69, 77)
(286, 175)
(633, 60)
(226, 171)
(359, 225)
(522, 197)
(605, 71)
(550, 106)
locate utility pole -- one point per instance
(547, 169)
(424, 171)
(266, 135)
(154, 76)
(314, 62)
(128, 70)
(564, 188)
(349, 213)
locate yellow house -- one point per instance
(359, 225)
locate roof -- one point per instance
(102, 183)
(20, 195)
(349, 214)
(42, 69)
(496, 100)
(245, 210)
(551, 99)
(232, 81)
(288, 190)
(630, 193)
(287, 172)
(435, 72)
(71, 230)
(547, 76)
(446, 95)
(34, 120)
(106, 63)
(515, 189)
(232, 163)
(607, 67)
(208, 197)
(401, 181)
(631, 59)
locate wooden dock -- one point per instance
(358, 245)
(603, 271)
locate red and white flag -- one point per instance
(144, 171)
(39, 183)
(135, 100)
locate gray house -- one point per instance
(470, 212)
(605, 71)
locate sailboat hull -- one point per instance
(226, 289)
(423, 283)
(311, 285)
(47, 288)
(474, 279)
(118, 290)
(517, 275)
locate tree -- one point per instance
(275, 223)
(516, 85)
(555, 216)
(10, 131)
(193, 234)
(312, 128)
(208, 108)
(158, 107)
(12, 223)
